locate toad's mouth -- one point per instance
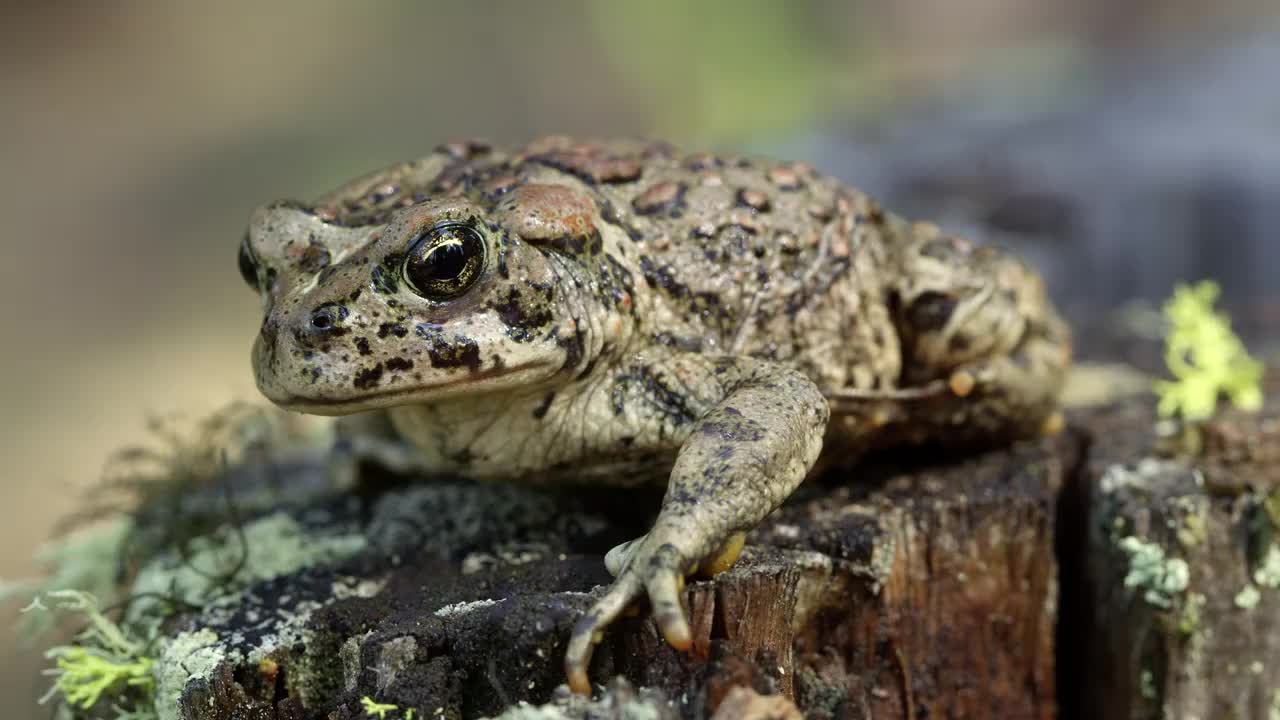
(476, 383)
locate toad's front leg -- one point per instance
(751, 447)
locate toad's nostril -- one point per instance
(326, 318)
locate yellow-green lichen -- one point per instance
(1205, 357)
(104, 662)
(1159, 577)
(380, 711)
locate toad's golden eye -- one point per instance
(445, 261)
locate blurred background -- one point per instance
(1121, 146)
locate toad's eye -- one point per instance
(248, 264)
(445, 262)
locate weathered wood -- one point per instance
(1173, 588)
(899, 589)
(918, 591)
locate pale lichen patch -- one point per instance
(1160, 578)
(186, 657)
(1248, 597)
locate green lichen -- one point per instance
(1160, 578)
(1205, 357)
(106, 661)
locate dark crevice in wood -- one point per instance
(1076, 620)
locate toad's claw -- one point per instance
(590, 627)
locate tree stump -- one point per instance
(1120, 569)
(1173, 598)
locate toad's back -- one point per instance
(739, 256)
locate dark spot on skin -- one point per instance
(396, 329)
(730, 424)
(496, 187)
(541, 411)
(314, 258)
(930, 311)
(524, 314)
(449, 351)
(703, 230)
(959, 342)
(382, 192)
(362, 346)
(399, 364)
(354, 296)
(653, 391)
(609, 213)
(368, 377)
(662, 277)
(589, 244)
(703, 161)
(573, 347)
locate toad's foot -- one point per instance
(656, 564)
(738, 462)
